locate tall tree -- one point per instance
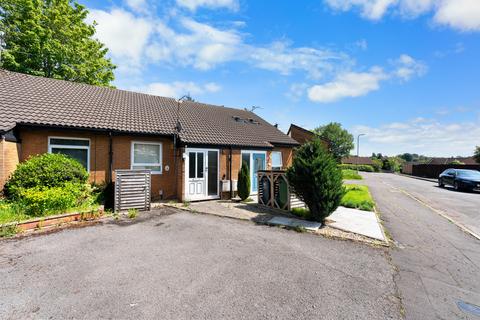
(476, 154)
(50, 38)
(341, 141)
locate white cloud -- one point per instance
(407, 67)
(463, 15)
(137, 39)
(138, 5)
(459, 14)
(296, 91)
(429, 136)
(371, 9)
(350, 84)
(177, 89)
(125, 35)
(212, 4)
(357, 84)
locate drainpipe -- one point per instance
(2, 142)
(230, 169)
(110, 157)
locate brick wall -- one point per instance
(9, 158)
(300, 135)
(36, 142)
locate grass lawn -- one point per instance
(350, 175)
(358, 197)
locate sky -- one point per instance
(406, 73)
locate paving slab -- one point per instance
(357, 221)
(291, 222)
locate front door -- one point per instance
(258, 164)
(201, 171)
(255, 161)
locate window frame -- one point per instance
(281, 160)
(132, 156)
(64, 146)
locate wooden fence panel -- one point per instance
(274, 191)
(434, 170)
(132, 189)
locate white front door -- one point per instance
(201, 172)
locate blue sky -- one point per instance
(404, 72)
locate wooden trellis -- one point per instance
(274, 191)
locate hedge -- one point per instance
(361, 167)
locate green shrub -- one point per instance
(45, 171)
(361, 167)
(39, 201)
(243, 185)
(316, 179)
(348, 174)
(377, 165)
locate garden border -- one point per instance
(54, 220)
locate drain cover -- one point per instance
(468, 307)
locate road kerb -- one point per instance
(439, 212)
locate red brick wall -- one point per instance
(36, 142)
(9, 158)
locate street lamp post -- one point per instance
(358, 147)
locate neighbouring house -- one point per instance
(358, 160)
(108, 129)
(302, 135)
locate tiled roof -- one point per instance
(357, 160)
(31, 100)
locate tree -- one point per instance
(341, 141)
(476, 154)
(408, 157)
(316, 179)
(244, 181)
(50, 38)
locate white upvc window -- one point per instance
(147, 155)
(76, 148)
(276, 157)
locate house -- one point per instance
(108, 129)
(464, 160)
(358, 160)
(302, 135)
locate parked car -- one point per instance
(460, 179)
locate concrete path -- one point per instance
(357, 221)
(438, 264)
(292, 222)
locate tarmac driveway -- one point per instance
(175, 265)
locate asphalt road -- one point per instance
(438, 264)
(190, 266)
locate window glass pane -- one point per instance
(191, 164)
(212, 173)
(246, 158)
(153, 168)
(200, 165)
(146, 153)
(81, 155)
(69, 142)
(276, 160)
